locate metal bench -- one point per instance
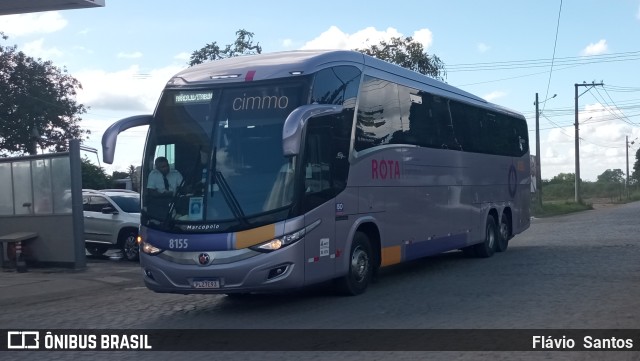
(17, 238)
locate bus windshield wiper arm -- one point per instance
(231, 199)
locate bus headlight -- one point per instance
(149, 249)
(288, 239)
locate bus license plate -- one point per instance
(205, 284)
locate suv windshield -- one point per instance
(224, 150)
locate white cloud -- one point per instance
(35, 23)
(334, 38)
(124, 90)
(184, 56)
(424, 37)
(494, 95)
(114, 95)
(83, 49)
(36, 49)
(602, 144)
(287, 43)
(595, 49)
(483, 48)
(134, 55)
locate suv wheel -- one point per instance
(96, 249)
(129, 245)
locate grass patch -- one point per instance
(558, 208)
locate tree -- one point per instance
(612, 176)
(402, 51)
(135, 174)
(119, 175)
(37, 104)
(93, 176)
(408, 54)
(242, 46)
(636, 168)
(563, 178)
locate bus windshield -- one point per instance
(224, 150)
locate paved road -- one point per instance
(576, 271)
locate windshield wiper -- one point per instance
(230, 198)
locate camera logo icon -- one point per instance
(23, 340)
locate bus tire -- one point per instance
(504, 234)
(360, 270)
(487, 248)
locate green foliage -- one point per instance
(402, 51)
(558, 208)
(612, 176)
(93, 176)
(242, 46)
(405, 52)
(37, 104)
(636, 168)
(119, 175)
(610, 185)
(563, 178)
(134, 174)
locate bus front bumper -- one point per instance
(263, 272)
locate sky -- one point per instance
(504, 51)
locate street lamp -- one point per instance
(538, 161)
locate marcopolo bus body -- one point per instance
(307, 166)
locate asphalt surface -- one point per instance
(570, 272)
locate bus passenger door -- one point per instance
(318, 202)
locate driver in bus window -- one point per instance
(163, 181)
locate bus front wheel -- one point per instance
(360, 270)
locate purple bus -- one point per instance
(310, 166)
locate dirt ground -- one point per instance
(599, 203)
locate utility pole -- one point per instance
(538, 176)
(538, 155)
(626, 185)
(577, 186)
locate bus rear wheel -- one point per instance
(504, 234)
(487, 248)
(360, 270)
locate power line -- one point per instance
(621, 89)
(555, 43)
(608, 107)
(600, 145)
(557, 126)
(514, 77)
(618, 108)
(543, 63)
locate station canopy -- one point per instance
(30, 6)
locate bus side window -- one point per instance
(317, 167)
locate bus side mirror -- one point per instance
(296, 122)
(111, 134)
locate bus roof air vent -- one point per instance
(224, 76)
